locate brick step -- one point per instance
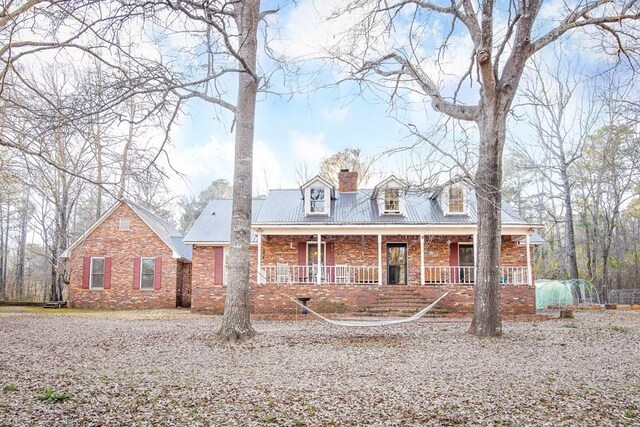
(406, 308)
(409, 299)
(402, 313)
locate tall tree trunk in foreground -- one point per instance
(236, 324)
(486, 311)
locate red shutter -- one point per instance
(331, 260)
(107, 272)
(86, 272)
(218, 273)
(453, 261)
(302, 261)
(136, 273)
(157, 274)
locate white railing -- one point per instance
(353, 274)
(334, 274)
(513, 275)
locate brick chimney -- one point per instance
(347, 181)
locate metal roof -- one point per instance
(164, 229)
(287, 207)
(214, 223)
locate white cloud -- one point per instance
(335, 115)
(309, 149)
(214, 160)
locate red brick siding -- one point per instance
(353, 250)
(123, 247)
(183, 284)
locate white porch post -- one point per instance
(422, 259)
(529, 272)
(318, 260)
(474, 238)
(379, 259)
(260, 278)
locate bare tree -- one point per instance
(396, 49)
(348, 158)
(562, 114)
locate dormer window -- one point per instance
(390, 196)
(453, 199)
(391, 200)
(316, 202)
(317, 194)
(456, 200)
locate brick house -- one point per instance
(129, 258)
(352, 250)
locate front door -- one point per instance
(465, 254)
(396, 263)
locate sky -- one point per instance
(305, 128)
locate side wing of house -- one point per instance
(123, 263)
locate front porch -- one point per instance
(345, 274)
(413, 260)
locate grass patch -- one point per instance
(10, 387)
(622, 329)
(630, 413)
(49, 396)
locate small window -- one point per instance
(392, 200)
(317, 200)
(124, 224)
(147, 272)
(97, 273)
(456, 200)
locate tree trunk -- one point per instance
(24, 223)
(569, 228)
(5, 260)
(3, 291)
(98, 175)
(124, 165)
(236, 323)
(486, 312)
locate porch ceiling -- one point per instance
(431, 230)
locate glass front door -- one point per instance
(396, 263)
(465, 254)
(312, 261)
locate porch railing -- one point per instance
(368, 275)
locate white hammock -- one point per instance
(370, 323)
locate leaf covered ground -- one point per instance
(157, 368)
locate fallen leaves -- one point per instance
(167, 368)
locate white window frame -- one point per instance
(323, 249)
(153, 275)
(324, 201)
(391, 211)
(104, 265)
(126, 221)
(464, 200)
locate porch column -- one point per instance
(474, 238)
(529, 272)
(379, 259)
(318, 259)
(260, 278)
(422, 259)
